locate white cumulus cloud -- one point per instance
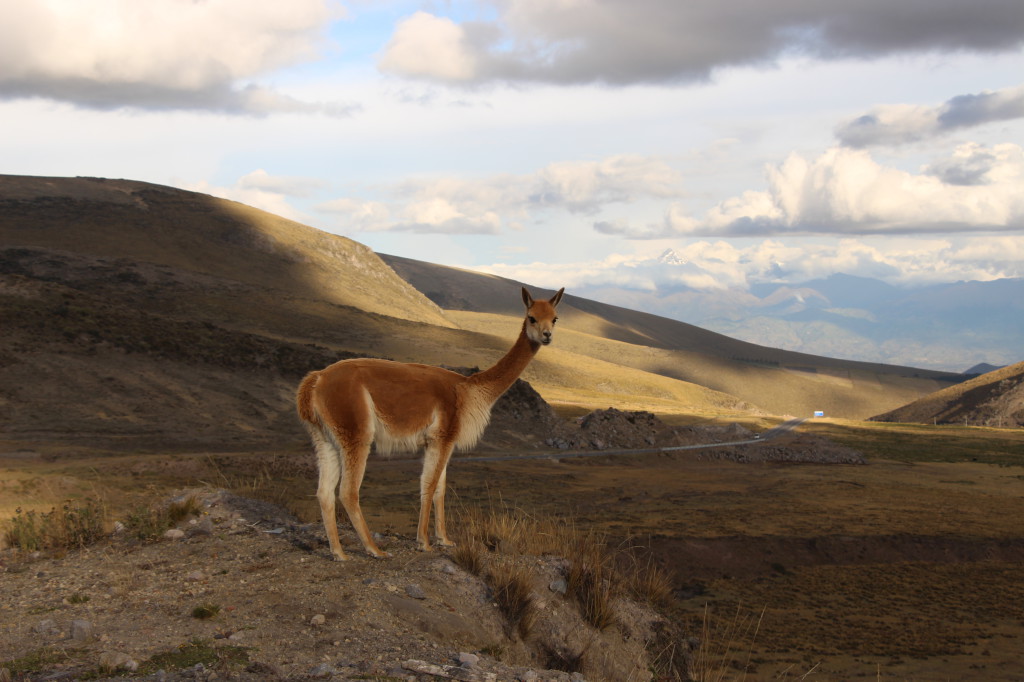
(425, 45)
(160, 54)
(845, 191)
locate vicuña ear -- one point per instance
(527, 299)
(557, 297)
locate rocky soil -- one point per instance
(244, 591)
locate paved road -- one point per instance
(779, 430)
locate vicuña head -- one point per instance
(353, 404)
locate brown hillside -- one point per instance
(993, 399)
(202, 235)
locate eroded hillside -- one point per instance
(992, 399)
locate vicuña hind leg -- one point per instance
(329, 464)
(351, 480)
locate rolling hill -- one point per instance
(782, 382)
(147, 317)
(992, 399)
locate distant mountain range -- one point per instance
(949, 327)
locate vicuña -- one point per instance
(353, 404)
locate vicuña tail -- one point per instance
(304, 399)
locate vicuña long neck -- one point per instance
(503, 374)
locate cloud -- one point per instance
(160, 54)
(280, 184)
(260, 190)
(425, 215)
(427, 46)
(356, 215)
(973, 164)
(719, 265)
(846, 191)
(494, 204)
(902, 124)
(648, 41)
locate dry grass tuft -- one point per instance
(470, 555)
(721, 645)
(592, 579)
(644, 579)
(513, 593)
(507, 530)
(592, 586)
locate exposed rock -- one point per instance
(111, 661)
(45, 627)
(81, 631)
(203, 526)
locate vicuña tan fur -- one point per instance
(353, 404)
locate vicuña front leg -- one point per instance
(439, 520)
(435, 461)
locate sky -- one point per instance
(649, 145)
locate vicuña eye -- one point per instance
(554, 320)
(533, 320)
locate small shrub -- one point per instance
(25, 531)
(494, 651)
(558, 658)
(205, 611)
(78, 598)
(145, 523)
(73, 526)
(149, 523)
(179, 511)
(195, 651)
(38, 661)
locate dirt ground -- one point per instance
(245, 591)
(784, 566)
